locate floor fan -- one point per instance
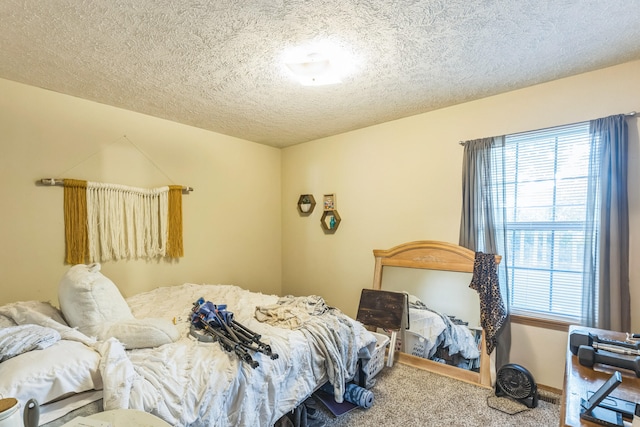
(516, 382)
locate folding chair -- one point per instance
(385, 310)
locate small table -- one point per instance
(125, 418)
(578, 380)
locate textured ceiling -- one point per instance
(218, 64)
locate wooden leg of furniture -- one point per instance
(392, 348)
(485, 364)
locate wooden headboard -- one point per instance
(425, 254)
(434, 255)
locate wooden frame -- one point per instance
(327, 225)
(434, 255)
(312, 203)
(329, 202)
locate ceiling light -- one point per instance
(314, 69)
(319, 62)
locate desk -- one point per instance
(578, 380)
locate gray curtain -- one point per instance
(476, 226)
(614, 310)
(606, 296)
(482, 224)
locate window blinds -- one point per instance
(546, 191)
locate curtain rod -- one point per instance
(630, 114)
(60, 182)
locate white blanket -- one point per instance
(326, 327)
(193, 383)
(16, 340)
(32, 313)
(438, 329)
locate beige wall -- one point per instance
(401, 181)
(232, 221)
(394, 182)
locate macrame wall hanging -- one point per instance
(105, 222)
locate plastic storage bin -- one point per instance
(376, 363)
(415, 344)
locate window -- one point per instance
(546, 192)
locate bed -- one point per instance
(420, 337)
(187, 382)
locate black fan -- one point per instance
(516, 382)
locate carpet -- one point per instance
(407, 396)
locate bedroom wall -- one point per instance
(232, 221)
(394, 182)
(400, 181)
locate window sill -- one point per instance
(556, 325)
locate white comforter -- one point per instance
(193, 383)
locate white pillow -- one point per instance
(43, 314)
(90, 301)
(143, 333)
(93, 304)
(22, 312)
(45, 375)
(6, 322)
